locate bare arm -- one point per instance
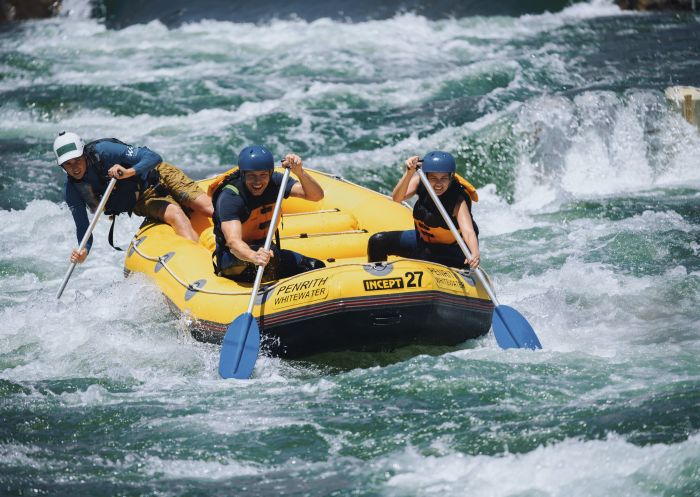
(233, 233)
(408, 184)
(307, 188)
(464, 220)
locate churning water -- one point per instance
(590, 219)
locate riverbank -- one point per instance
(650, 5)
(19, 10)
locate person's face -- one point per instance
(257, 181)
(75, 167)
(439, 181)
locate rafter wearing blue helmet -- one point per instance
(431, 239)
(243, 206)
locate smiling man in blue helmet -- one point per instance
(431, 240)
(146, 185)
(243, 205)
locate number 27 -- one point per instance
(412, 276)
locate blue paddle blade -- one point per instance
(240, 348)
(512, 330)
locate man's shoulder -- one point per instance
(276, 181)
(107, 142)
(230, 192)
(277, 178)
(230, 189)
(229, 206)
(229, 197)
(112, 146)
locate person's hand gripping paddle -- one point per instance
(88, 233)
(510, 328)
(242, 340)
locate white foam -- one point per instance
(161, 469)
(495, 217)
(384, 64)
(571, 468)
(103, 326)
(597, 143)
(76, 9)
(601, 144)
(14, 455)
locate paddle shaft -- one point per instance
(460, 241)
(88, 233)
(510, 328)
(243, 324)
(261, 269)
(268, 239)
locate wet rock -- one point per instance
(18, 10)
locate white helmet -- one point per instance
(67, 146)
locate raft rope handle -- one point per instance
(328, 233)
(308, 213)
(162, 261)
(190, 286)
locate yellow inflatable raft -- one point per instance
(349, 304)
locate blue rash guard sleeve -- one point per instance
(141, 159)
(78, 209)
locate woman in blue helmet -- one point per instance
(431, 240)
(243, 206)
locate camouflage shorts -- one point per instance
(174, 187)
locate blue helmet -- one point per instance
(255, 158)
(439, 162)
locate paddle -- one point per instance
(88, 233)
(510, 328)
(242, 339)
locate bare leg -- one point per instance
(203, 205)
(175, 217)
